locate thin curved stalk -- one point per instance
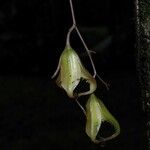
(74, 26)
(83, 110)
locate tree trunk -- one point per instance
(143, 60)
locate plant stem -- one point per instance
(72, 12)
(74, 26)
(68, 35)
(83, 110)
(87, 50)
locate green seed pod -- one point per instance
(96, 113)
(71, 72)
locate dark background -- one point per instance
(34, 112)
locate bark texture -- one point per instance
(143, 60)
